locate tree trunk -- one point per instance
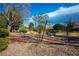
(67, 31)
(36, 33)
(9, 28)
(44, 30)
(39, 37)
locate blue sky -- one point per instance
(47, 7)
(41, 8)
(57, 12)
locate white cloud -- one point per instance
(64, 10)
(59, 11)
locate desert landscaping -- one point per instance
(31, 29)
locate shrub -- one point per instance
(3, 43)
(51, 32)
(23, 30)
(4, 40)
(4, 32)
(3, 47)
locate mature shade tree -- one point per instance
(15, 19)
(59, 27)
(15, 13)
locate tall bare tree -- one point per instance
(69, 26)
(41, 21)
(45, 20)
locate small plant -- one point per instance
(23, 30)
(51, 32)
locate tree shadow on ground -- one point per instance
(74, 44)
(28, 39)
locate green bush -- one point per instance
(3, 43)
(51, 31)
(2, 48)
(23, 30)
(4, 32)
(4, 40)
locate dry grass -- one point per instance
(74, 34)
(71, 33)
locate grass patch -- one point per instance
(74, 34)
(70, 33)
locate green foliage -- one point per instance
(40, 24)
(4, 40)
(3, 21)
(59, 27)
(3, 43)
(75, 30)
(40, 28)
(14, 18)
(31, 26)
(50, 31)
(23, 30)
(3, 47)
(4, 32)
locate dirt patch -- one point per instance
(39, 49)
(22, 46)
